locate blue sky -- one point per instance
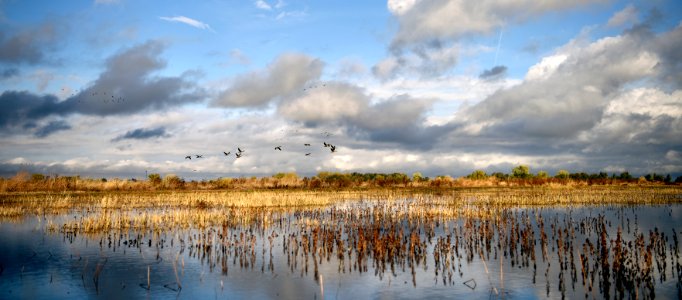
(435, 86)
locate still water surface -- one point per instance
(401, 258)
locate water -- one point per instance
(405, 256)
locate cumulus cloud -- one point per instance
(30, 45)
(288, 74)
(142, 134)
(399, 7)
(189, 21)
(602, 103)
(431, 60)
(642, 116)
(429, 20)
(495, 73)
(350, 68)
(399, 120)
(426, 42)
(126, 86)
(567, 93)
(330, 103)
(627, 15)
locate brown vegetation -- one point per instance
(25, 182)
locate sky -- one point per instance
(122, 88)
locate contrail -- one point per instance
(499, 42)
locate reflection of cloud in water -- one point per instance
(54, 268)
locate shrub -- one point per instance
(154, 178)
(521, 172)
(542, 175)
(562, 174)
(173, 181)
(478, 175)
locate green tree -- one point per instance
(521, 172)
(478, 175)
(562, 174)
(542, 175)
(625, 176)
(416, 177)
(154, 178)
(37, 177)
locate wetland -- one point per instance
(480, 243)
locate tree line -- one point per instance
(519, 175)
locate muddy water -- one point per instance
(360, 250)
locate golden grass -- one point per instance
(104, 211)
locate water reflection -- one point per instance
(367, 249)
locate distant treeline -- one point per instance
(519, 176)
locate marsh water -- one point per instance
(357, 249)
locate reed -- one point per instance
(383, 231)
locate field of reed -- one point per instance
(567, 241)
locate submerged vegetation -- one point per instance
(543, 232)
(566, 235)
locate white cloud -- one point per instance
(567, 92)
(189, 21)
(399, 7)
(642, 115)
(428, 20)
(546, 67)
(350, 68)
(260, 4)
(428, 61)
(288, 74)
(329, 103)
(629, 15)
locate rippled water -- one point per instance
(38, 263)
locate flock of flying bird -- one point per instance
(240, 152)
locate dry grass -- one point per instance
(103, 211)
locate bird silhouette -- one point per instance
(307, 145)
(240, 150)
(188, 157)
(307, 154)
(333, 148)
(226, 153)
(326, 145)
(199, 156)
(278, 148)
(238, 154)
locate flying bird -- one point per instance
(240, 150)
(307, 145)
(333, 148)
(199, 156)
(326, 145)
(238, 154)
(278, 148)
(227, 153)
(307, 154)
(188, 157)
